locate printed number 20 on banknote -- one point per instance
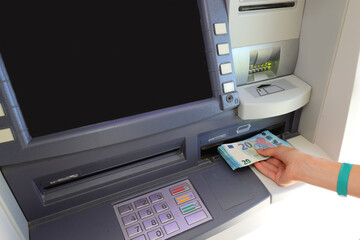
(243, 153)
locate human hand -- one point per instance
(284, 165)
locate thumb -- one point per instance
(268, 152)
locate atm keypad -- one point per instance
(163, 213)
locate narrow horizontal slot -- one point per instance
(266, 6)
(71, 178)
(78, 183)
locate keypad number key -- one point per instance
(156, 197)
(161, 207)
(124, 209)
(129, 219)
(150, 223)
(143, 202)
(144, 213)
(133, 230)
(155, 234)
(165, 217)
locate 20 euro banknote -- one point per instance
(244, 153)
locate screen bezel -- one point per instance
(101, 135)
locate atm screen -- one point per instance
(76, 65)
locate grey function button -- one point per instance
(193, 218)
(171, 227)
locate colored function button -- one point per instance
(184, 198)
(178, 189)
(190, 207)
(2, 113)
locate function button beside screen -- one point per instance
(225, 68)
(2, 113)
(220, 28)
(179, 189)
(124, 209)
(156, 197)
(223, 49)
(229, 87)
(141, 203)
(6, 135)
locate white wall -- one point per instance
(338, 130)
(319, 39)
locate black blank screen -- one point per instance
(76, 65)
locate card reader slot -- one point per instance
(83, 180)
(266, 6)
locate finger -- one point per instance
(277, 163)
(274, 152)
(269, 166)
(267, 152)
(264, 170)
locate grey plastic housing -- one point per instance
(67, 183)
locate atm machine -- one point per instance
(111, 115)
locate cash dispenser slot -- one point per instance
(210, 150)
(70, 183)
(266, 6)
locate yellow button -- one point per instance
(184, 198)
